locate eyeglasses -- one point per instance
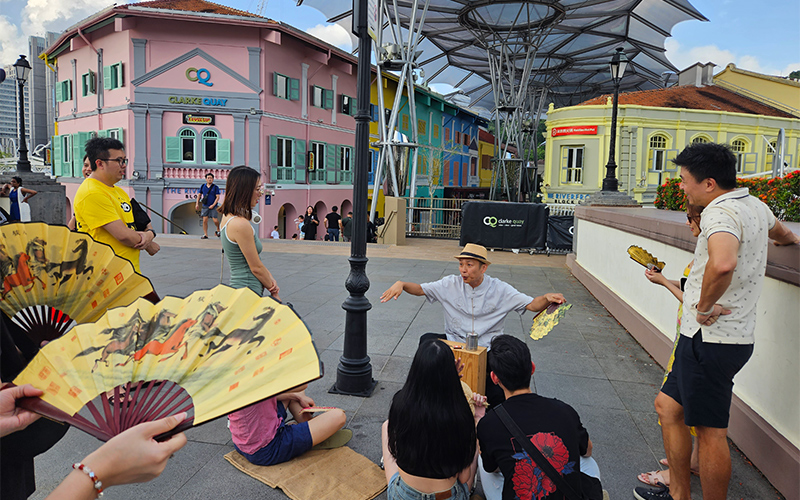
(123, 162)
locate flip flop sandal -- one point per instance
(665, 463)
(204, 237)
(339, 439)
(652, 478)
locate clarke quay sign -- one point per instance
(190, 119)
(578, 130)
(197, 101)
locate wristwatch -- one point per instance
(152, 231)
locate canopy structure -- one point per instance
(510, 56)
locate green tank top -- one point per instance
(241, 276)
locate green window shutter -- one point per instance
(331, 163)
(92, 82)
(224, 151)
(120, 135)
(328, 96)
(300, 161)
(84, 84)
(77, 154)
(120, 68)
(274, 83)
(273, 158)
(353, 106)
(173, 149)
(60, 92)
(102, 133)
(56, 157)
(294, 89)
(69, 89)
(107, 77)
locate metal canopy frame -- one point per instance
(509, 56)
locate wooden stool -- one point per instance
(474, 373)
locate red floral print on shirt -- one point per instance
(529, 481)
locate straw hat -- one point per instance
(473, 251)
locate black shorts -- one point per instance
(701, 379)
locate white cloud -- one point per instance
(12, 43)
(683, 57)
(333, 34)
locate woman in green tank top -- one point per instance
(239, 241)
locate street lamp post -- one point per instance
(609, 195)
(22, 68)
(354, 373)
(617, 66)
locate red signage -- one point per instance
(579, 130)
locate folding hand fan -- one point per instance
(209, 354)
(546, 319)
(645, 258)
(53, 278)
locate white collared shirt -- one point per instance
(482, 309)
(750, 220)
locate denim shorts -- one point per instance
(399, 490)
(290, 441)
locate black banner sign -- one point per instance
(560, 231)
(195, 119)
(504, 225)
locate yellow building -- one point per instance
(654, 125)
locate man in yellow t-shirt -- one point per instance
(103, 210)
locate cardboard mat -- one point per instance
(338, 474)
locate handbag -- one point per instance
(588, 483)
(140, 217)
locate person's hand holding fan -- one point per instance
(546, 319)
(645, 258)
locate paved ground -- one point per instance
(589, 361)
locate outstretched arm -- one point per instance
(399, 287)
(658, 278)
(545, 300)
(782, 235)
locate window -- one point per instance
(66, 149)
(113, 76)
(699, 140)
(404, 125)
(115, 133)
(466, 139)
(572, 164)
(435, 131)
(284, 148)
(321, 98)
(658, 147)
(373, 159)
(64, 91)
(739, 147)
(316, 172)
(422, 128)
(187, 144)
(458, 137)
(285, 87)
(446, 134)
(210, 146)
(349, 105)
(345, 164)
(88, 83)
(373, 113)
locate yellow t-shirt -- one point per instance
(95, 206)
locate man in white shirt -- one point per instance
(474, 301)
(718, 323)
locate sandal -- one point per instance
(665, 463)
(204, 237)
(653, 478)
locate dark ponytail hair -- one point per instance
(239, 187)
(431, 428)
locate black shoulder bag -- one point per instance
(544, 464)
(140, 217)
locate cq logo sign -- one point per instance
(201, 75)
(490, 221)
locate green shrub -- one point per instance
(781, 194)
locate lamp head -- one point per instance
(22, 67)
(619, 61)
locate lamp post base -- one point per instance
(611, 199)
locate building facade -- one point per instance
(9, 113)
(653, 127)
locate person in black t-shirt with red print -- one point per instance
(553, 427)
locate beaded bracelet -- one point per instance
(89, 472)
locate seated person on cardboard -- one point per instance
(473, 301)
(261, 435)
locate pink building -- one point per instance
(192, 87)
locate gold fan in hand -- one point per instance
(645, 258)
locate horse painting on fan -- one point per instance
(242, 335)
(63, 271)
(123, 341)
(22, 275)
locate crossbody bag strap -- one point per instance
(540, 460)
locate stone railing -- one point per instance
(765, 412)
(195, 173)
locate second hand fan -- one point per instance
(546, 319)
(53, 278)
(645, 258)
(209, 354)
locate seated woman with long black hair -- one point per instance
(429, 441)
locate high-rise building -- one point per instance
(9, 112)
(42, 91)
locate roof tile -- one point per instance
(192, 6)
(709, 98)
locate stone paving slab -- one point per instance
(588, 361)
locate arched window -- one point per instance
(188, 137)
(210, 146)
(699, 140)
(739, 148)
(658, 152)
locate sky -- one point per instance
(752, 36)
